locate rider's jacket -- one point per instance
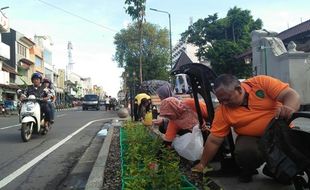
(38, 92)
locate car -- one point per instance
(91, 101)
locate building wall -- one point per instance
(61, 79)
(9, 39)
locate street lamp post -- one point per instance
(169, 32)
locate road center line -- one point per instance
(10, 126)
(25, 167)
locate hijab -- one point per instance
(183, 116)
(164, 91)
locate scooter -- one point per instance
(30, 118)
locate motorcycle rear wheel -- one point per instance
(26, 131)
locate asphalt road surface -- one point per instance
(45, 161)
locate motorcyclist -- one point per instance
(51, 102)
(39, 91)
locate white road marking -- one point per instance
(61, 115)
(25, 167)
(10, 126)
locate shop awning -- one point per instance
(9, 69)
(10, 86)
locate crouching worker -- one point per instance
(141, 105)
(182, 117)
(248, 107)
(39, 91)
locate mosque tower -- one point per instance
(70, 60)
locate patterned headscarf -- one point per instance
(183, 116)
(164, 91)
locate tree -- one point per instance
(136, 9)
(155, 50)
(221, 40)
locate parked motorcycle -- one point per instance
(30, 118)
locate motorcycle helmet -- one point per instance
(46, 80)
(36, 76)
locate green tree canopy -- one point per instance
(155, 51)
(221, 40)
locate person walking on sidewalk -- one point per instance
(107, 103)
(247, 107)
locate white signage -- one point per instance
(121, 95)
(4, 23)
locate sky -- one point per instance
(92, 24)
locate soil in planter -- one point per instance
(112, 172)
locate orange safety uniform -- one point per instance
(173, 129)
(253, 119)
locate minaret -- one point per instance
(69, 67)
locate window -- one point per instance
(21, 50)
(38, 61)
(47, 55)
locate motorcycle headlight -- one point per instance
(29, 106)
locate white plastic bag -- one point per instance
(189, 145)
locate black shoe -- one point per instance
(246, 175)
(52, 121)
(267, 172)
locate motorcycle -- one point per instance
(2, 109)
(30, 118)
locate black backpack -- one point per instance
(287, 152)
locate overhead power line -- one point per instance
(78, 16)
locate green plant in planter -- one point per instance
(147, 164)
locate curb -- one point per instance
(95, 179)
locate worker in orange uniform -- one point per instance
(247, 107)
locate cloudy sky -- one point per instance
(91, 25)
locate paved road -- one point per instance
(45, 161)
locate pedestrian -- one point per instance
(247, 107)
(107, 103)
(113, 103)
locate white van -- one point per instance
(181, 84)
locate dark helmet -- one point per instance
(36, 76)
(46, 80)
